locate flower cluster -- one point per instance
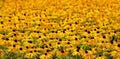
(59, 29)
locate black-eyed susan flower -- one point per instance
(39, 28)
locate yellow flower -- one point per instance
(1, 53)
(30, 24)
(74, 52)
(29, 55)
(42, 57)
(102, 57)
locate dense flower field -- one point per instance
(59, 29)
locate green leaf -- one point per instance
(100, 53)
(34, 25)
(4, 32)
(86, 47)
(77, 57)
(118, 37)
(113, 38)
(10, 55)
(2, 47)
(108, 56)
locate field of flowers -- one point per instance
(59, 29)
